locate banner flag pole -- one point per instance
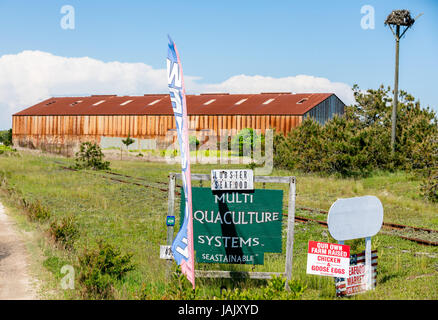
(182, 246)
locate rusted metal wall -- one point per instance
(42, 131)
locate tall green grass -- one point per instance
(132, 218)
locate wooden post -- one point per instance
(171, 206)
(290, 231)
(395, 101)
(170, 212)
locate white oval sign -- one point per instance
(354, 218)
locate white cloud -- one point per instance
(298, 84)
(29, 77)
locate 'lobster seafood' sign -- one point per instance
(239, 179)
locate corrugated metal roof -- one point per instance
(159, 104)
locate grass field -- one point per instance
(133, 218)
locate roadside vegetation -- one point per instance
(6, 137)
(110, 232)
(90, 156)
(358, 144)
(109, 225)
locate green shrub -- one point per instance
(128, 141)
(429, 187)
(6, 137)
(90, 156)
(36, 211)
(180, 288)
(246, 141)
(360, 141)
(64, 231)
(100, 267)
(6, 149)
(301, 149)
(193, 143)
(274, 290)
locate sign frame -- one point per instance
(291, 181)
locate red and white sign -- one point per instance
(328, 259)
(356, 281)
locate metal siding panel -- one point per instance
(36, 127)
(238, 123)
(148, 125)
(156, 127)
(77, 126)
(86, 125)
(141, 126)
(258, 123)
(107, 129)
(283, 124)
(161, 129)
(95, 125)
(135, 120)
(211, 123)
(81, 125)
(244, 122)
(233, 125)
(205, 124)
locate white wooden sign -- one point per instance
(355, 218)
(239, 179)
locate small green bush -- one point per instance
(6, 137)
(90, 156)
(64, 231)
(193, 143)
(246, 141)
(128, 141)
(36, 211)
(429, 187)
(274, 290)
(180, 288)
(100, 267)
(7, 149)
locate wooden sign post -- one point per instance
(268, 217)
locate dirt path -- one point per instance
(15, 281)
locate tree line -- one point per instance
(359, 142)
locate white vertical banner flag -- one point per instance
(182, 247)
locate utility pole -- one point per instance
(396, 20)
(395, 102)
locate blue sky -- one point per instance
(218, 40)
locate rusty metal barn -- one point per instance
(65, 122)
